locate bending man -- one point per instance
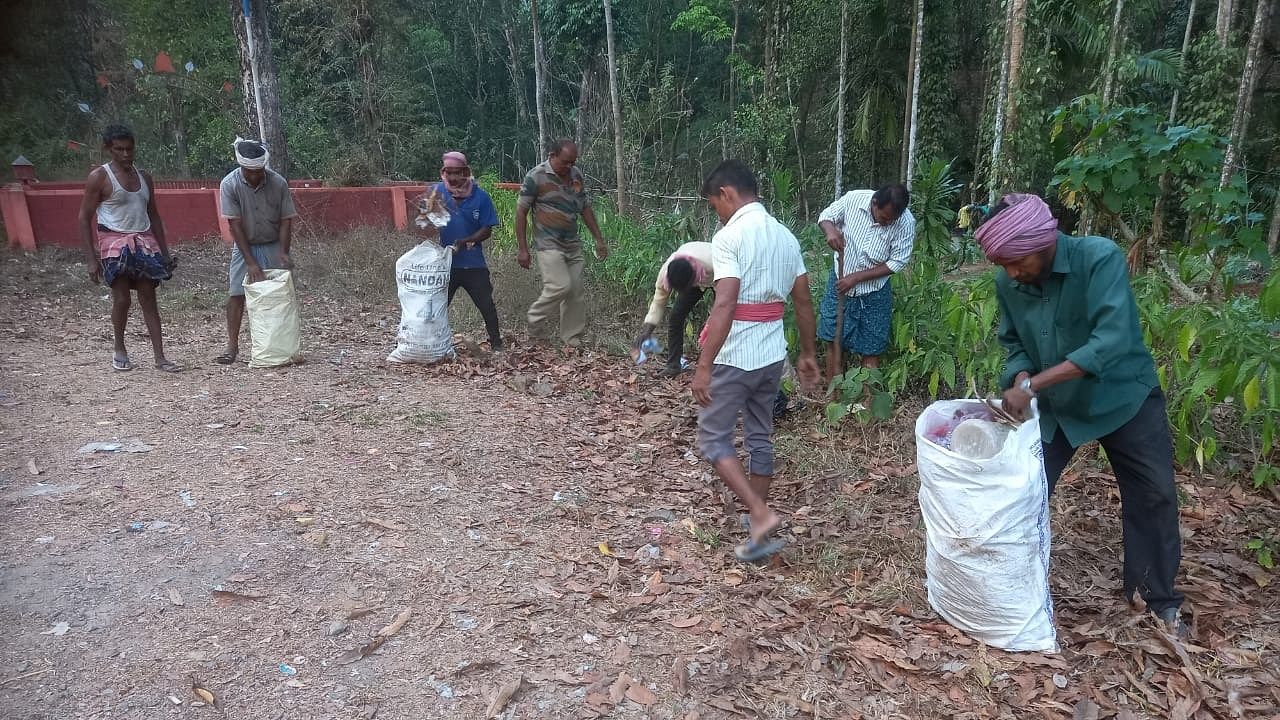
(259, 208)
(1069, 323)
(688, 272)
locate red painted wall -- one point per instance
(189, 209)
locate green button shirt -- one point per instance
(1084, 312)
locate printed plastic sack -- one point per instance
(275, 326)
(987, 526)
(422, 279)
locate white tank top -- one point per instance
(125, 211)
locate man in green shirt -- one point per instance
(1069, 323)
(554, 193)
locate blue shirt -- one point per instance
(467, 218)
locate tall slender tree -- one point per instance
(840, 96)
(913, 94)
(539, 81)
(1244, 95)
(258, 64)
(619, 161)
(1222, 28)
(1113, 48)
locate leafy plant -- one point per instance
(1265, 549)
(858, 392)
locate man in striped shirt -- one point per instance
(876, 231)
(757, 264)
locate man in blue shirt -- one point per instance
(472, 218)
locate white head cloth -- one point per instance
(257, 163)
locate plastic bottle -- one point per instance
(978, 439)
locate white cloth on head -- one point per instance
(257, 163)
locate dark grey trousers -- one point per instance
(750, 393)
(1141, 454)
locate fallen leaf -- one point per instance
(372, 646)
(32, 468)
(641, 694)
(1086, 709)
(503, 696)
(360, 612)
(58, 630)
(685, 622)
(241, 577)
(204, 695)
(604, 549)
(394, 526)
(397, 623)
(226, 597)
(175, 597)
(618, 689)
(680, 676)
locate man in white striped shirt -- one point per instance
(876, 231)
(757, 263)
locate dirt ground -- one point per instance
(533, 537)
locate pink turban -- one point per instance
(1024, 227)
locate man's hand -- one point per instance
(646, 332)
(807, 369)
(523, 258)
(602, 250)
(95, 271)
(835, 241)
(1017, 402)
(286, 260)
(255, 273)
(702, 386)
(847, 283)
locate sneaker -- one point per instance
(1171, 622)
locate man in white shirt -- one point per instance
(688, 274)
(757, 263)
(876, 231)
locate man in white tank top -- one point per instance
(121, 229)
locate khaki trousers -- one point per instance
(562, 295)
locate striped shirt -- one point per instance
(763, 254)
(698, 251)
(554, 206)
(867, 244)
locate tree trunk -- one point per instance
(362, 33)
(513, 69)
(616, 103)
(539, 82)
(248, 86)
(1273, 233)
(1109, 69)
(1222, 29)
(733, 79)
(1186, 47)
(584, 97)
(1007, 68)
(840, 93)
(1017, 38)
(179, 130)
(1137, 258)
(264, 87)
(1244, 95)
(913, 114)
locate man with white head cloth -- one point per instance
(259, 208)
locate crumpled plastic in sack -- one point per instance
(422, 282)
(275, 324)
(987, 532)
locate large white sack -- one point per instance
(422, 281)
(987, 526)
(275, 325)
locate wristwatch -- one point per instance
(1025, 386)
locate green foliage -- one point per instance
(858, 392)
(1265, 549)
(705, 21)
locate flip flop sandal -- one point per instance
(121, 364)
(756, 550)
(226, 358)
(169, 366)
